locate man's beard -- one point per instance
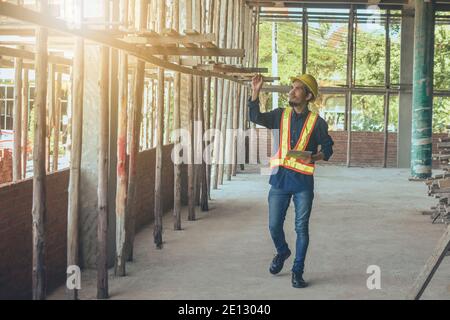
(294, 104)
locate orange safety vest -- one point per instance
(281, 158)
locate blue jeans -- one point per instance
(279, 201)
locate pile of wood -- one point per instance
(439, 185)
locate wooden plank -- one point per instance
(170, 32)
(30, 55)
(443, 190)
(443, 145)
(231, 69)
(5, 63)
(145, 54)
(444, 183)
(241, 71)
(199, 52)
(209, 45)
(170, 37)
(425, 276)
(265, 79)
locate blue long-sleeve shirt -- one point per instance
(284, 178)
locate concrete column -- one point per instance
(421, 157)
(405, 96)
(89, 170)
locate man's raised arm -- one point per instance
(266, 119)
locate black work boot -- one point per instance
(278, 262)
(297, 280)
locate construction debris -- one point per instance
(439, 185)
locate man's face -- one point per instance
(298, 95)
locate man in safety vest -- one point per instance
(300, 133)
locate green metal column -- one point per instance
(422, 109)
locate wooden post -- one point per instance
(153, 115)
(39, 207)
(432, 264)
(240, 101)
(210, 29)
(229, 128)
(191, 177)
(349, 96)
(387, 83)
(75, 154)
(167, 116)
(203, 178)
(57, 122)
(131, 83)
(216, 29)
(24, 143)
(17, 121)
(196, 141)
(237, 91)
(136, 115)
(236, 117)
(132, 13)
(147, 114)
(227, 113)
(114, 110)
(218, 139)
(198, 174)
(122, 176)
(244, 44)
(208, 128)
(203, 169)
(50, 113)
(157, 232)
(102, 193)
(176, 126)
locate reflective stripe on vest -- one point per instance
(280, 158)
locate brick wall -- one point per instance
(15, 222)
(145, 193)
(5, 165)
(367, 148)
(16, 236)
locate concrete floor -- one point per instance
(361, 217)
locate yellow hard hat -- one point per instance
(309, 81)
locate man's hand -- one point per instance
(316, 157)
(308, 159)
(257, 83)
